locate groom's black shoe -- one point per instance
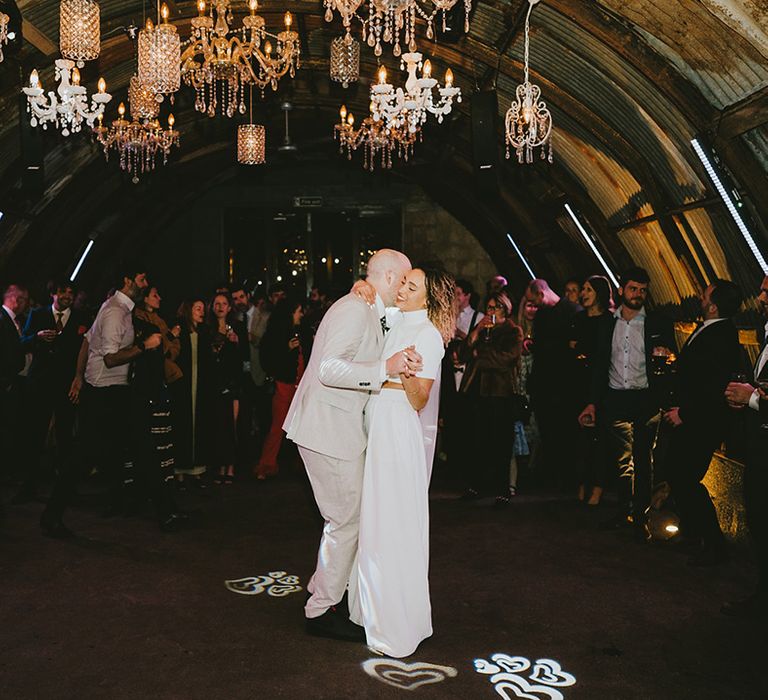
(334, 624)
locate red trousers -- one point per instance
(281, 402)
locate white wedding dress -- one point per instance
(389, 590)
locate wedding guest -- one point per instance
(283, 358)
(572, 290)
(627, 395)
(262, 385)
(550, 382)
(153, 447)
(101, 386)
(189, 393)
(492, 378)
(53, 334)
(589, 326)
(241, 317)
(224, 388)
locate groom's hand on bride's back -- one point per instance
(407, 362)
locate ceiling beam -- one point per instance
(39, 40)
(505, 41)
(743, 116)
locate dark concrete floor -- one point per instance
(124, 611)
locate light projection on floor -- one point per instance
(276, 583)
(407, 676)
(517, 677)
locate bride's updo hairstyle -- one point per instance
(441, 301)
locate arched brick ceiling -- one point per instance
(629, 85)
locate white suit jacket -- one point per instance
(326, 414)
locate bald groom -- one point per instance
(326, 421)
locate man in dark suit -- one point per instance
(699, 416)
(752, 399)
(53, 335)
(628, 387)
(551, 381)
(12, 362)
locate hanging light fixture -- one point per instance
(159, 56)
(79, 30)
(142, 100)
(251, 141)
(375, 137)
(4, 19)
(529, 122)
(409, 108)
(219, 62)
(389, 21)
(345, 60)
(67, 108)
(137, 142)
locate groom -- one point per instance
(326, 421)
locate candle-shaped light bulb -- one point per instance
(201, 7)
(253, 5)
(427, 72)
(149, 26)
(382, 75)
(449, 78)
(171, 121)
(164, 12)
(75, 76)
(288, 20)
(34, 79)
(268, 48)
(102, 86)
(343, 112)
(351, 119)
(121, 109)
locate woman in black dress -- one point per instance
(190, 394)
(224, 389)
(588, 326)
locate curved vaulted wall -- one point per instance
(629, 85)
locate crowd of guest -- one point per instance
(582, 392)
(154, 406)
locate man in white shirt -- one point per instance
(628, 391)
(107, 417)
(467, 317)
(752, 399)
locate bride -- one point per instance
(389, 590)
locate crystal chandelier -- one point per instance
(218, 61)
(410, 108)
(159, 56)
(375, 137)
(79, 30)
(388, 19)
(67, 108)
(345, 60)
(528, 122)
(251, 141)
(137, 142)
(4, 19)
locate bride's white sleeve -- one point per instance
(430, 346)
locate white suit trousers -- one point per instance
(337, 485)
